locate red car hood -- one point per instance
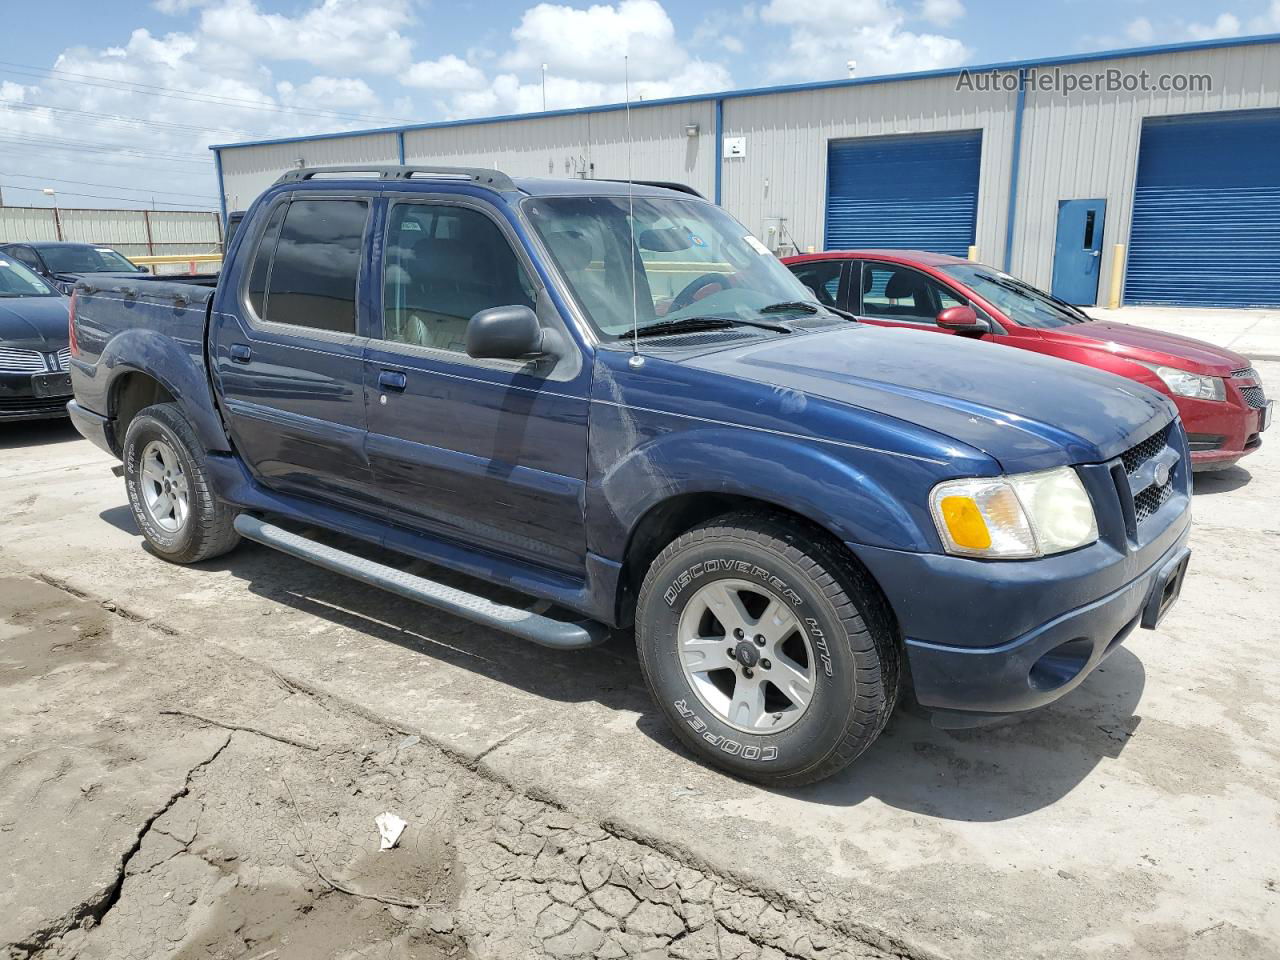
(1130, 341)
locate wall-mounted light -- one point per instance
(690, 129)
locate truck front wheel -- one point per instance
(769, 651)
(170, 492)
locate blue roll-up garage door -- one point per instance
(913, 192)
(1206, 211)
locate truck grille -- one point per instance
(13, 360)
(1148, 495)
(1150, 500)
(1248, 373)
(1139, 454)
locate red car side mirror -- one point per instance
(962, 319)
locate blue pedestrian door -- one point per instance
(911, 192)
(1077, 253)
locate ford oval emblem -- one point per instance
(1162, 474)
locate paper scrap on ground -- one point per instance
(389, 827)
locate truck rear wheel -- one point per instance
(770, 653)
(169, 489)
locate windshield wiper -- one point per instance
(690, 324)
(786, 306)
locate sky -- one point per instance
(115, 104)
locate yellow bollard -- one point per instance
(1117, 276)
(973, 254)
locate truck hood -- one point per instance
(1126, 340)
(1027, 411)
(35, 323)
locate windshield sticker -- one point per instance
(104, 249)
(411, 225)
(696, 240)
(756, 245)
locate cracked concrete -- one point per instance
(259, 843)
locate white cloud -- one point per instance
(941, 13)
(447, 73)
(589, 53)
(336, 93)
(826, 34)
(355, 35)
(1140, 31)
(1226, 25)
(174, 7)
(591, 44)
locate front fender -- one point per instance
(177, 365)
(860, 496)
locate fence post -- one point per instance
(146, 219)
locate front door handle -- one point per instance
(240, 353)
(392, 380)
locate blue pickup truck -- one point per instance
(612, 397)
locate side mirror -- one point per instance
(962, 319)
(504, 333)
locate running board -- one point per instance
(534, 627)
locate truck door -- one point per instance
(286, 356)
(490, 452)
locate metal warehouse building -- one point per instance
(1154, 171)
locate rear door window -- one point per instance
(312, 278)
(823, 278)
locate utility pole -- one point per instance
(57, 217)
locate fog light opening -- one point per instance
(1061, 665)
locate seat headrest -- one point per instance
(902, 285)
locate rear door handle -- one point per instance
(240, 353)
(392, 380)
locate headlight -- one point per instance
(1184, 383)
(1027, 515)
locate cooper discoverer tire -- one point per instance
(169, 489)
(769, 651)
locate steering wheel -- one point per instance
(696, 286)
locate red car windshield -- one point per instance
(1020, 302)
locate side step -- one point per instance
(520, 623)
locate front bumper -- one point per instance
(1222, 431)
(18, 402)
(987, 639)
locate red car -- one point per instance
(1218, 393)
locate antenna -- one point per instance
(635, 360)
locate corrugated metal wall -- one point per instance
(248, 171)
(1080, 146)
(581, 145)
(170, 231)
(1085, 146)
(784, 172)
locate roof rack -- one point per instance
(479, 176)
(664, 184)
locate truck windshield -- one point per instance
(1020, 302)
(17, 281)
(689, 259)
(86, 259)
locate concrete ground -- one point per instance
(1135, 818)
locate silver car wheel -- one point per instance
(164, 487)
(746, 656)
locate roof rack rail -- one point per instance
(479, 176)
(664, 184)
